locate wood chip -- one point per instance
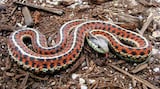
(27, 17)
(139, 68)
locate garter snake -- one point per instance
(70, 43)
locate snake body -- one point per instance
(70, 42)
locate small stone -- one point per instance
(43, 4)
(133, 3)
(53, 2)
(105, 69)
(19, 24)
(126, 69)
(2, 46)
(9, 74)
(154, 51)
(81, 81)
(75, 4)
(135, 64)
(151, 60)
(3, 68)
(115, 79)
(85, 68)
(3, 7)
(158, 1)
(53, 83)
(130, 86)
(34, 1)
(91, 81)
(123, 77)
(157, 55)
(74, 76)
(156, 34)
(156, 69)
(150, 70)
(40, 1)
(3, 1)
(83, 86)
(84, 64)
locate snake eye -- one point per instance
(98, 46)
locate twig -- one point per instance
(135, 77)
(6, 28)
(76, 65)
(96, 85)
(51, 10)
(60, 81)
(23, 84)
(14, 9)
(37, 77)
(146, 24)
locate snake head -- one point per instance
(98, 43)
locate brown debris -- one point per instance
(23, 84)
(76, 65)
(37, 77)
(6, 28)
(98, 1)
(3, 7)
(36, 16)
(146, 24)
(50, 10)
(67, 2)
(135, 77)
(149, 3)
(110, 86)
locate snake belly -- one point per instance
(71, 39)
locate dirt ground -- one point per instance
(91, 70)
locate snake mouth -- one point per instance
(98, 43)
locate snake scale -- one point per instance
(70, 41)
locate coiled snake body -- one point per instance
(70, 42)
